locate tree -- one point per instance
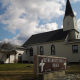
(5, 47)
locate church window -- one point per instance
(75, 48)
(19, 54)
(31, 51)
(41, 50)
(52, 50)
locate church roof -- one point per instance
(47, 37)
(68, 10)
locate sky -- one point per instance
(19, 19)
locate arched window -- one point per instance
(31, 51)
(41, 51)
(19, 53)
(52, 50)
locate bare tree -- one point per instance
(5, 46)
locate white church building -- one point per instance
(62, 42)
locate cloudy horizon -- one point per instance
(19, 19)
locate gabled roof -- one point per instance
(68, 10)
(47, 37)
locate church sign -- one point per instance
(46, 64)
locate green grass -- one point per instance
(22, 72)
(15, 67)
(16, 72)
(73, 69)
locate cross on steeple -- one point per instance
(68, 10)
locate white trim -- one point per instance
(72, 42)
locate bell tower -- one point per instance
(70, 22)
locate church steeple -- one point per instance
(70, 22)
(68, 10)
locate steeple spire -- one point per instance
(68, 10)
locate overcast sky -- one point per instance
(19, 19)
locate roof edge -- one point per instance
(46, 42)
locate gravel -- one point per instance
(65, 77)
(68, 77)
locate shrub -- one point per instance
(31, 62)
(19, 61)
(25, 61)
(1, 62)
(16, 61)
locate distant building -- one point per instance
(62, 43)
(11, 53)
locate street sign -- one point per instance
(46, 64)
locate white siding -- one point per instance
(12, 58)
(72, 23)
(61, 50)
(23, 53)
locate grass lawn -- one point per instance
(22, 72)
(73, 69)
(16, 72)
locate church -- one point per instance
(62, 42)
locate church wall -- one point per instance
(75, 23)
(73, 35)
(61, 50)
(12, 58)
(77, 35)
(47, 49)
(20, 52)
(66, 51)
(35, 52)
(26, 56)
(72, 57)
(69, 23)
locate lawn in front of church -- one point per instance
(25, 71)
(73, 69)
(16, 71)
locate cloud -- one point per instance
(41, 8)
(25, 15)
(74, 13)
(74, 1)
(47, 27)
(23, 36)
(61, 26)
